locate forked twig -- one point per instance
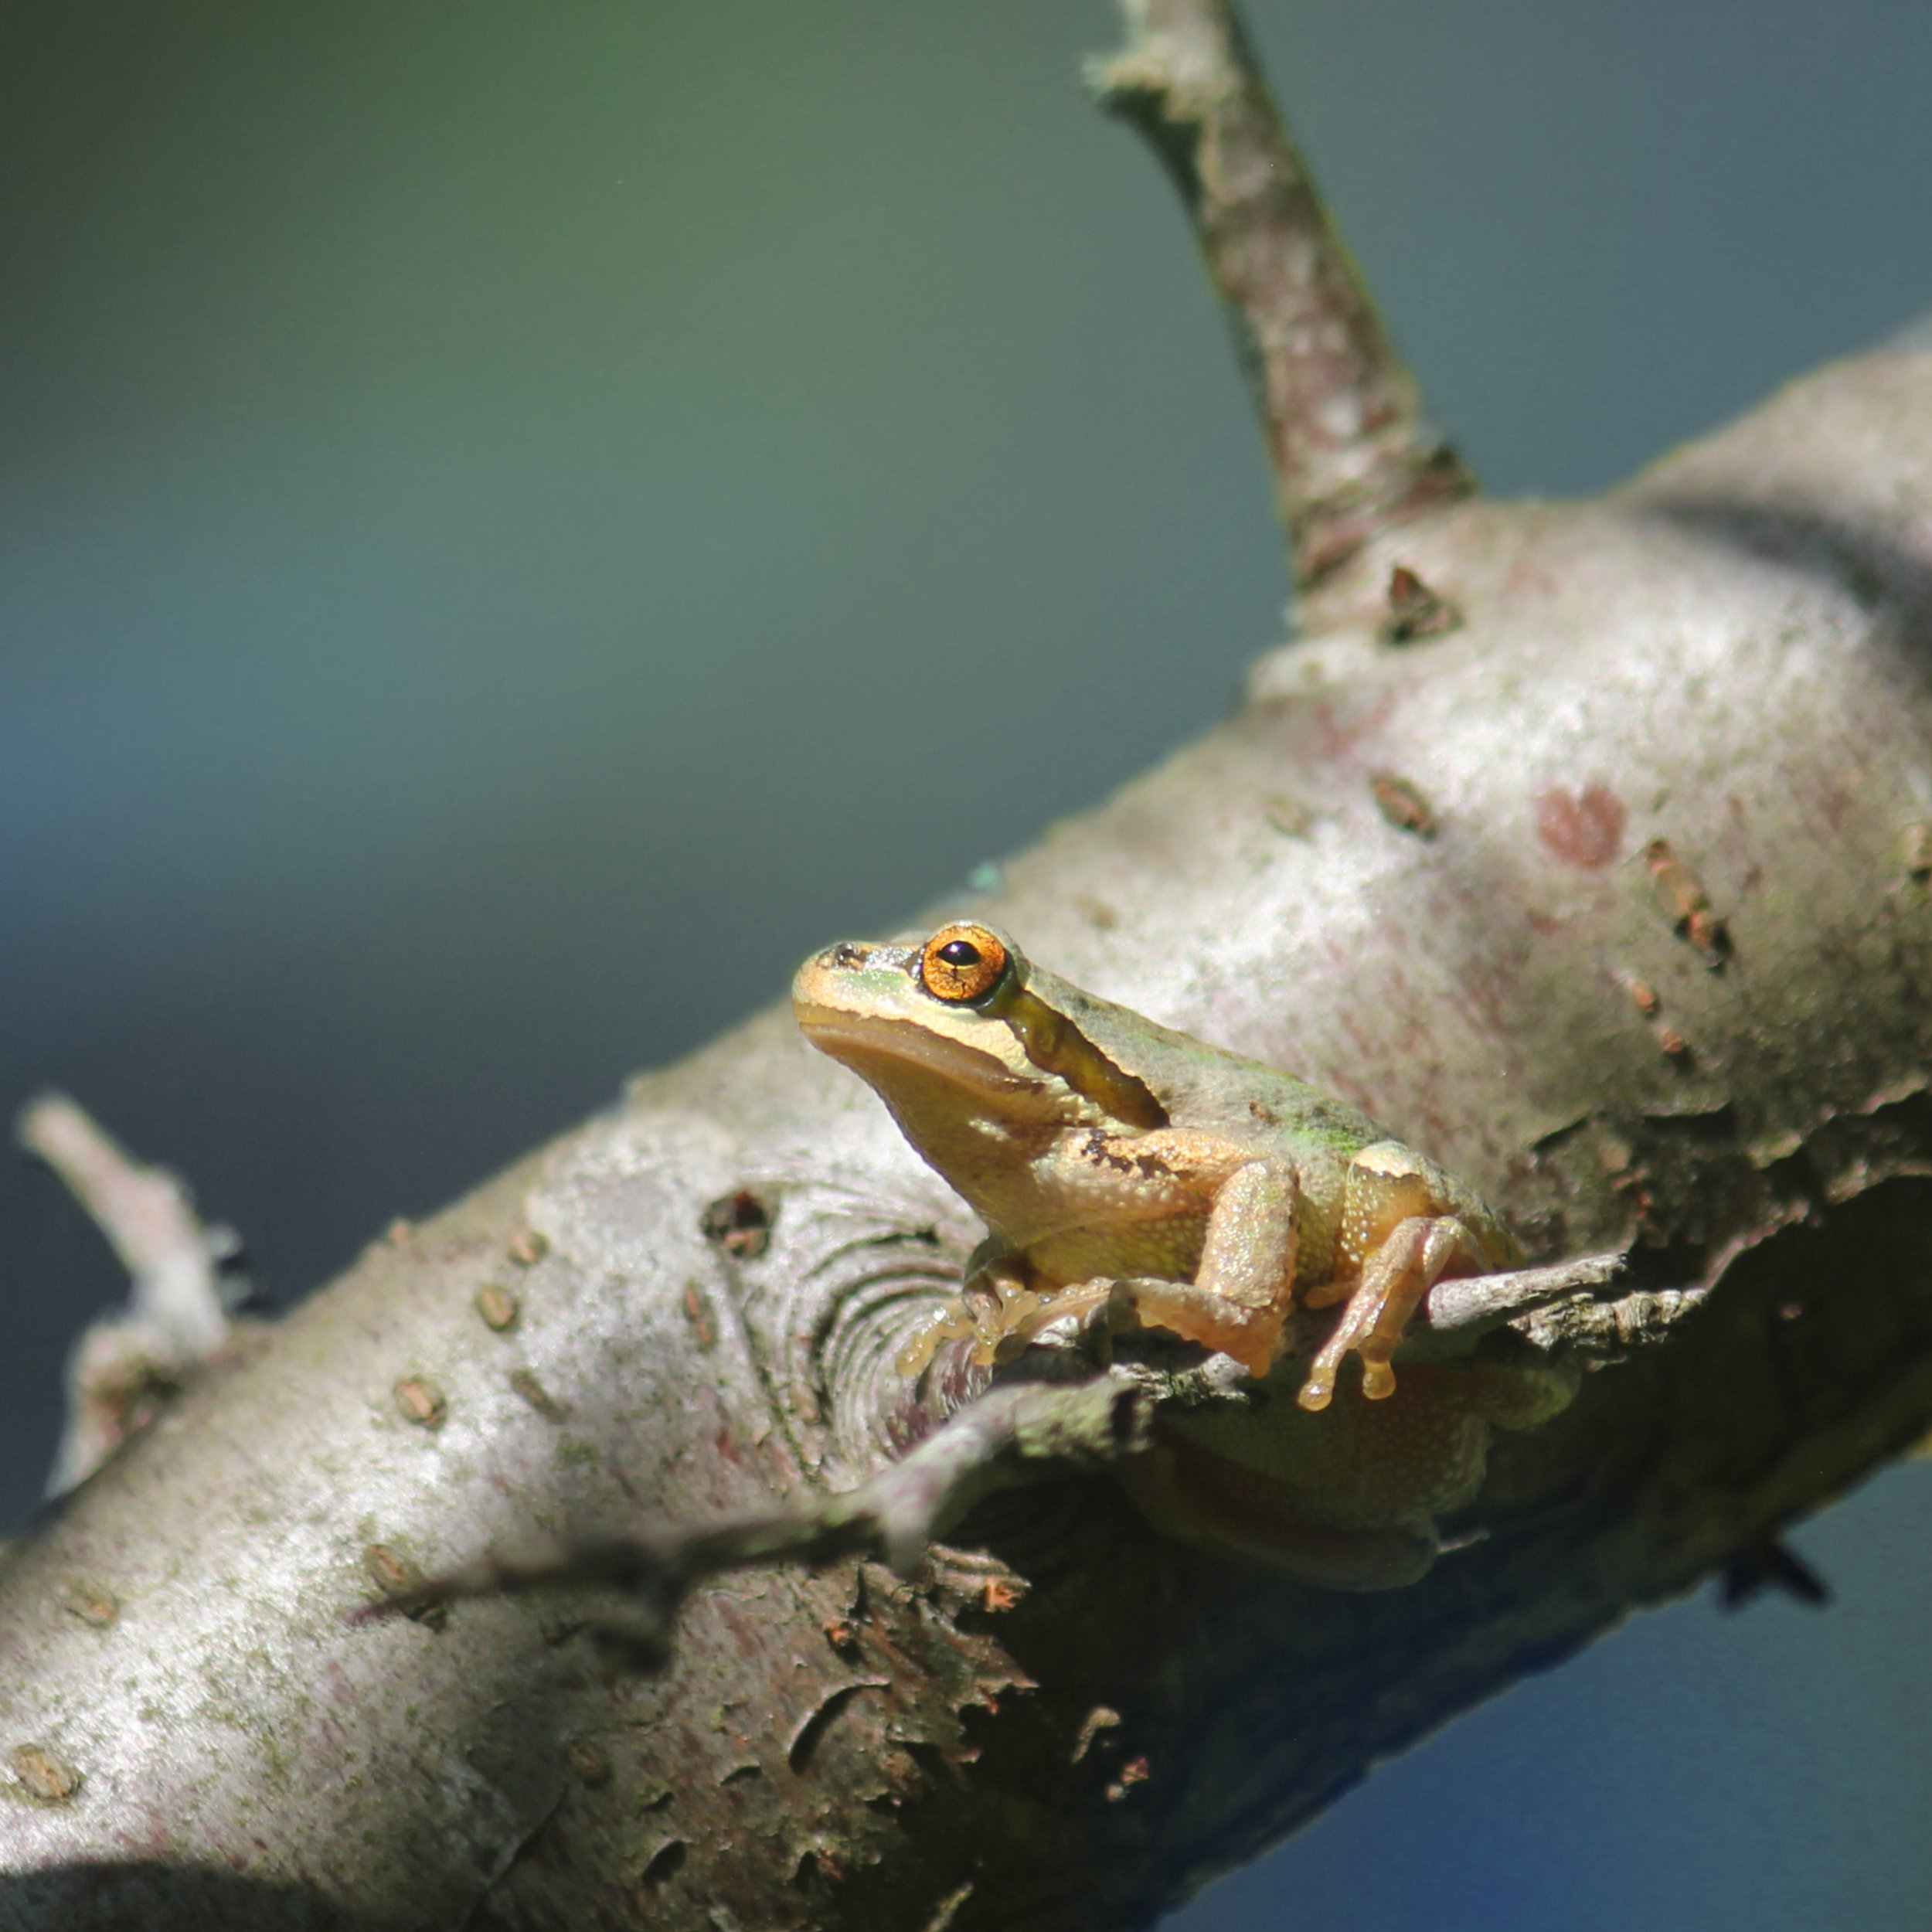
(1023, 1432)
(1017, 1433)
(176, 1318)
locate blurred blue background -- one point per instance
(516, 522)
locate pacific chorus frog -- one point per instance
(1112, 1159)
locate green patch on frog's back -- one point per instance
(1209, 1088)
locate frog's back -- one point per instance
(1214, 1090)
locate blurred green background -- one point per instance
(516, 522)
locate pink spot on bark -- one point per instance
(1583, 828)
(1338, 731)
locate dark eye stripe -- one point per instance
(1055, 1045)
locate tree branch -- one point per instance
(1427, 880)
(1352, 455)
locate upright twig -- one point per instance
(1340, 413)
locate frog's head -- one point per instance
(954, 1029)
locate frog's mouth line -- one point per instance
(888, 1044)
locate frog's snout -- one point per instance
(843, 958)
(813, 985)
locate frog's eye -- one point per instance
(962, 963)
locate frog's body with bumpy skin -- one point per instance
(1114, 1160)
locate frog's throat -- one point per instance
(875, 1049)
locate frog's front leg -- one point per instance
(1244, 1285)
(1394, 1219)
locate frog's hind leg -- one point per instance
(1243, 1287)
(1393, 1218)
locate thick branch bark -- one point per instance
(1030, 1430)
(1008, 1438)
(1612, 898)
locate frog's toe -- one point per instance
(1378, 1378)
(951, 1323)
(1416, 1253)
(1354, 1331)
(1318, 1391)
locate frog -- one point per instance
(1126, 1172)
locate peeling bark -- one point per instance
(1698, 707)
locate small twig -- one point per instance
(1561, 1304)
(1024, 1433)
(1607, 1329)
(146, 1214)
(1340, 413)
(175, 1319)
(1460, 1310)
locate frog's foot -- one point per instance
(1026, 1313)
(1000, 1318)
(1251, 1334)
(996, 1303)
(952, 1323)
(1417, 1252)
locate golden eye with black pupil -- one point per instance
(960, 964)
